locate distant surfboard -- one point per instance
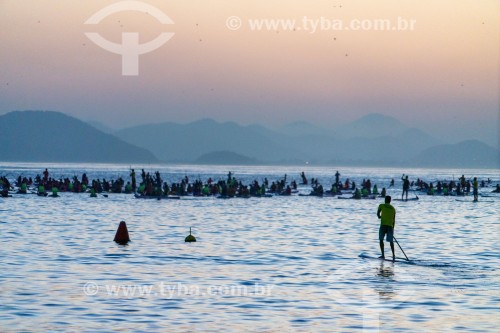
(464, 200)
(155, 197)
(410, 199)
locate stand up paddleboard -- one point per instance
(410, 199)
(463, 200)
(389, 258)
(156, 197)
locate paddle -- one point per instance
(401, 248)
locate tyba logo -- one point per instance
(129, 49)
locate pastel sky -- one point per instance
(443, 75)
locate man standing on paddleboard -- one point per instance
(406, 187)
(387, 215)
(475, 188)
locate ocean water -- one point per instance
(280, 264)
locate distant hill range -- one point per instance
(373, 140)
(174, 142)
(467, 154)
(44, 136)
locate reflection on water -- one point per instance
(385, 273)
(287, 264)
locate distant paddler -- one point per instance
(287, 191)
(334, 190)
(317, 191)
(337, 178)
(347, 184)
(24, 188)
(406, 186)
(4, 193)
(304, 178)
(54, 192)
(41, 190)
(387, 215)
(475, 189)
(462, 182)
(142, 189)
(132, 175)
(5, 184)
(129, 188)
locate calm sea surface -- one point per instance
(280, 264)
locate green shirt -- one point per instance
(388, 213)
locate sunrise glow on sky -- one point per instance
(444, 71)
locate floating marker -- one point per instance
(190, 238)
(121, 236)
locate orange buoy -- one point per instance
(121, 236)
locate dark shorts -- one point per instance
(385, 229)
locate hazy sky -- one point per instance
(444, 71)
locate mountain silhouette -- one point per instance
(373, 140)
(173, 142)
(466, 154)
(372, 125)
(46, 136)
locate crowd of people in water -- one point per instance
(152, 185)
